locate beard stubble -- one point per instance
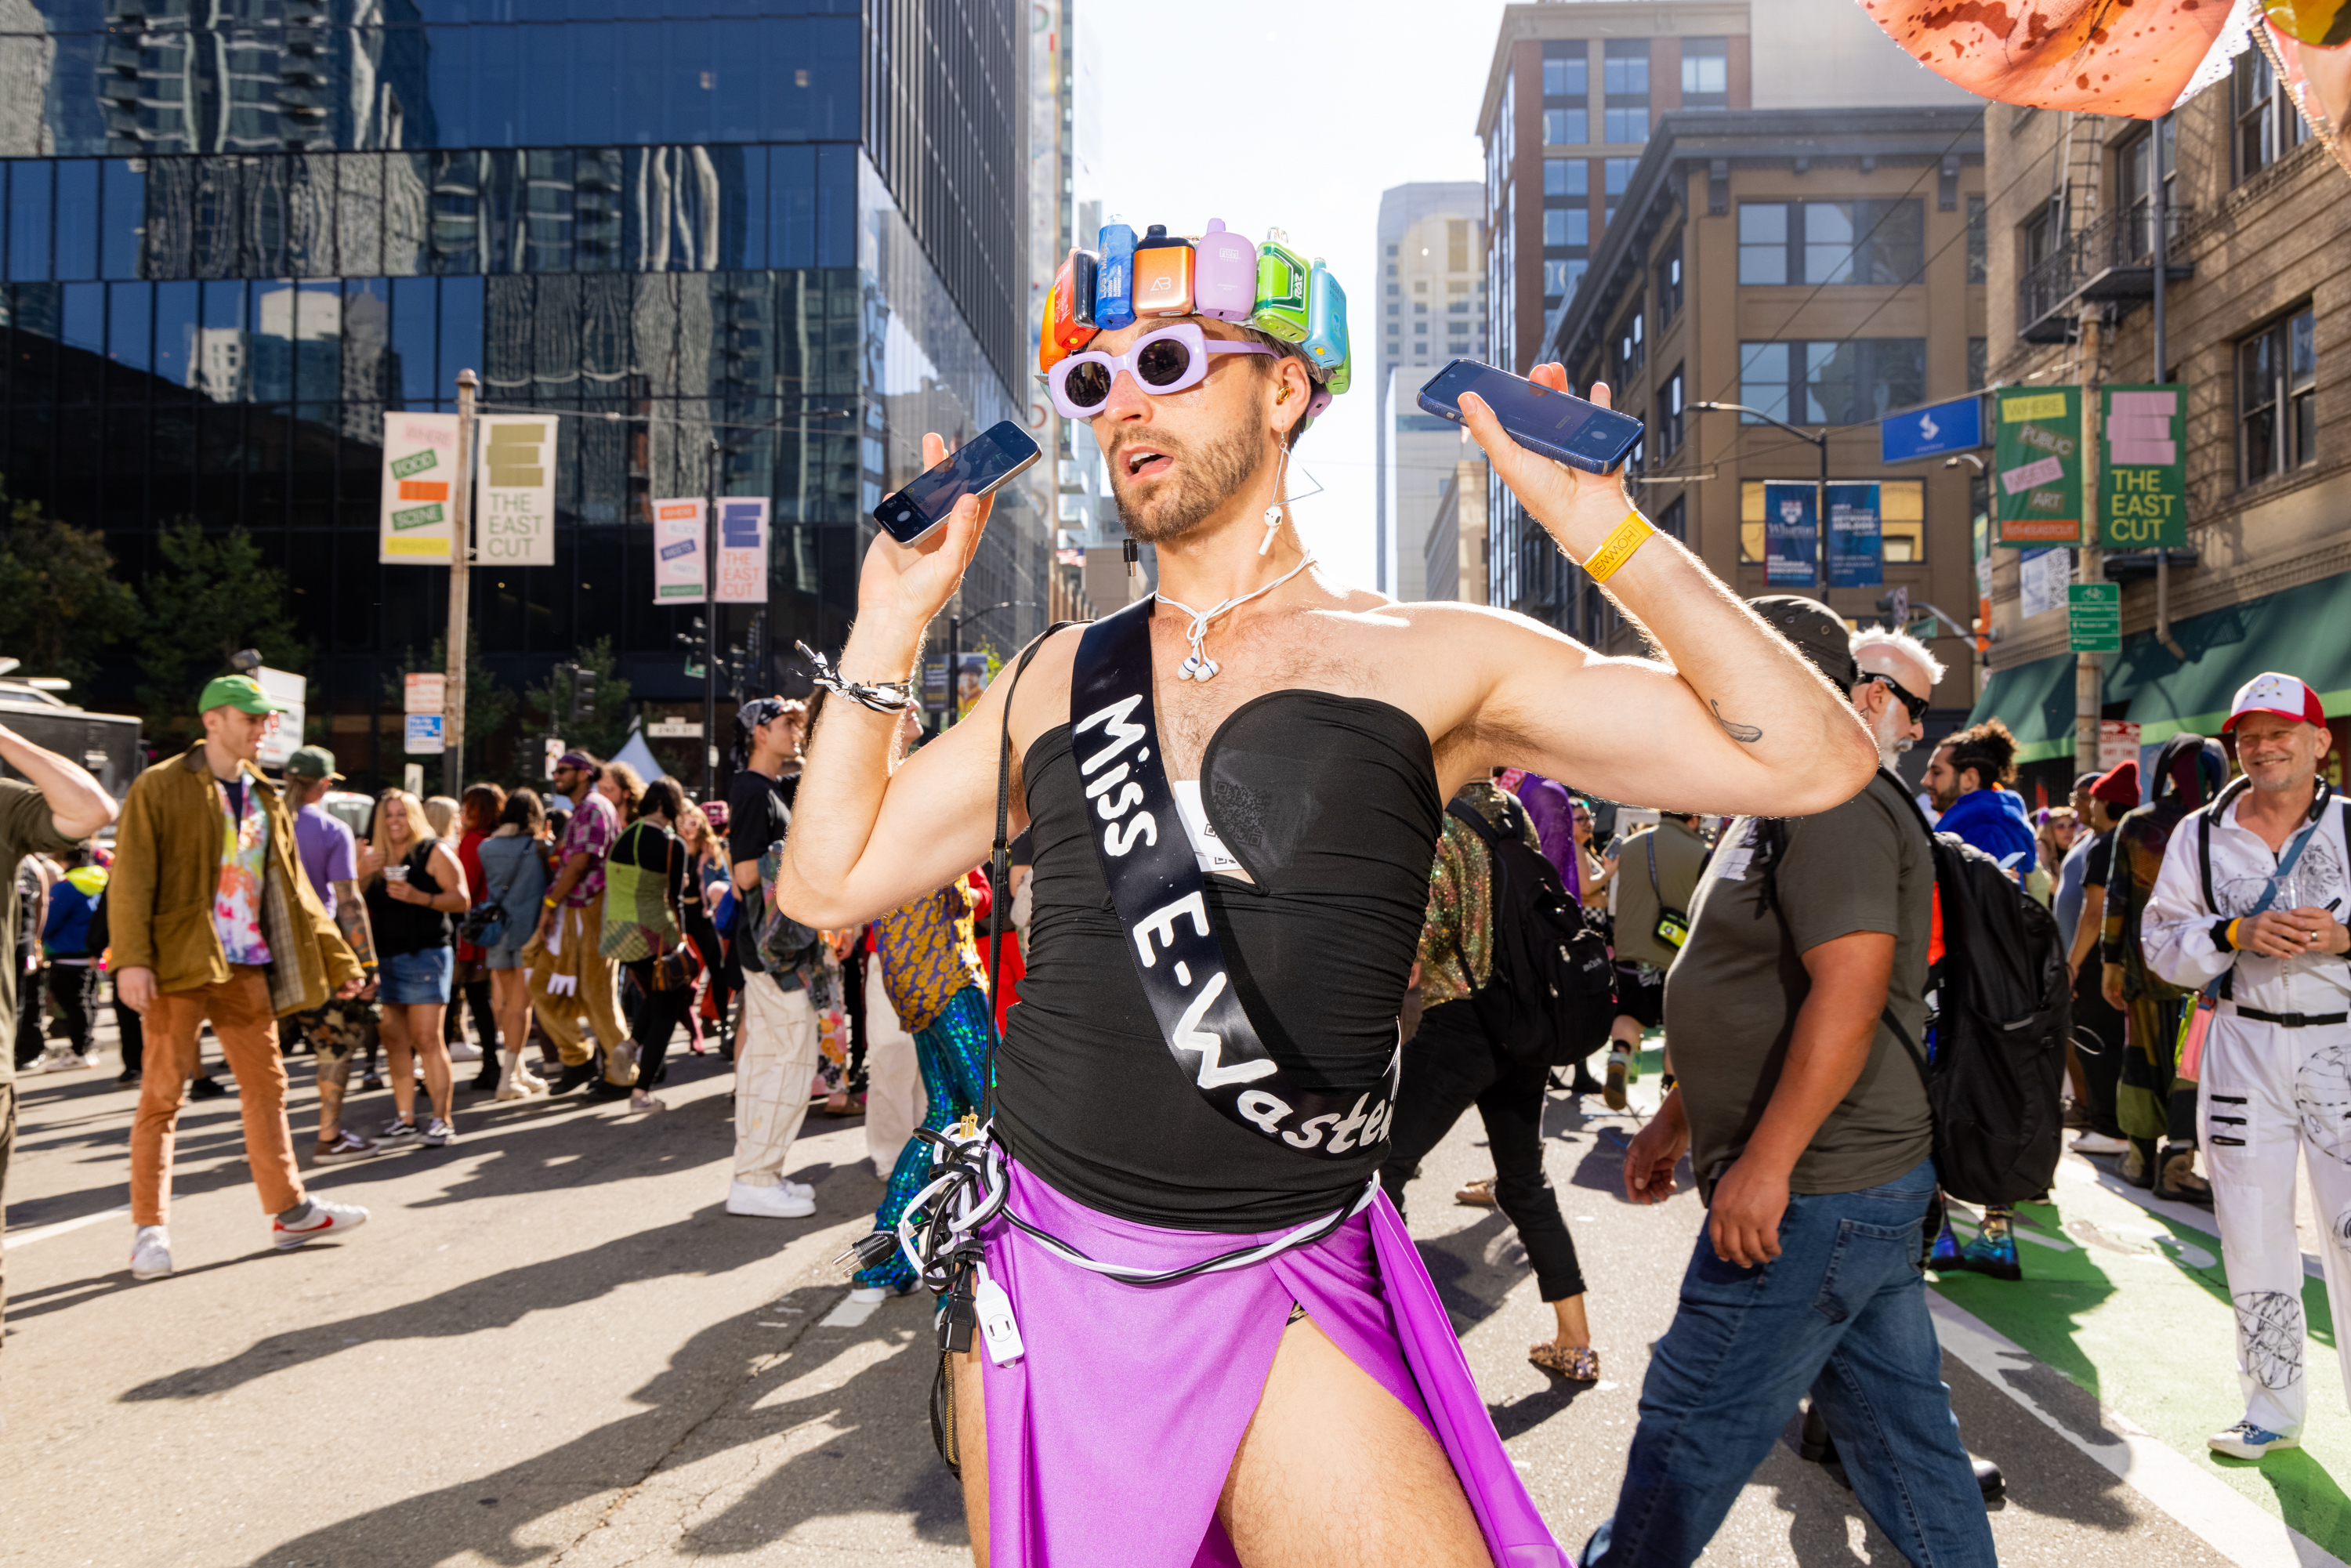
(1206, 475)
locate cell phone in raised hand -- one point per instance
(975, 468)
(1561, 426)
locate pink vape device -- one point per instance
(1224, 274)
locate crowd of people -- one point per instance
(564, 942)
(584, 932)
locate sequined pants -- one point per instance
(952, 1051)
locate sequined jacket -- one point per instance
(1457, 936)
(929, 953)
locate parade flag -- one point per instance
(2143, 483)
(1857, 546)
(742, 550)
(2037, 467)
(1791, 535)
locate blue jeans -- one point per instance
(1842, 1311)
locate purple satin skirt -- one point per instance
(1109, 1441)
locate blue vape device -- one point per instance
(1114, 295)
(1326, 320)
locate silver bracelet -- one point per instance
(889, 696)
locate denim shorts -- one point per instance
(412, 979)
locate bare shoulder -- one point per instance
(1461, 627)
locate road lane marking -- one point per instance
(848, 1314)
(16, 1238)
(2234, 1527)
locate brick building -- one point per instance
(2258, 318)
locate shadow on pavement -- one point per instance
(841, 1464)
(496, 1300)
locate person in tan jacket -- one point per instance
(214, 919)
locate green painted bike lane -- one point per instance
(2133, 1307)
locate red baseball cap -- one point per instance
(2118, 786)
(2270, 692)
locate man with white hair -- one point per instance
(1898, 674)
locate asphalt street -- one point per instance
(551, 1345)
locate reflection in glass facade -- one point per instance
(232, 233)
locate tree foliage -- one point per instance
(60, 602)
(213, 597)
(608, 730)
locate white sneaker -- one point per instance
(326, 1220)
(63, 1058)
(437, 1134)
(2246, 1441)
(150, 1254)
(787, 1201)
(2098, 1144)
(464, 1051)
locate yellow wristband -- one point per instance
(2232, 935)
(1629, 535)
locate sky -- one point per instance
(1293, 114)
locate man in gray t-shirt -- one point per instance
(1807, 1125)
(1776, 896)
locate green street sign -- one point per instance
(2094, 617)
(2143, 486)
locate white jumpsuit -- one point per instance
(2268, 1090)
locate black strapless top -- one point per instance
(1331, 804)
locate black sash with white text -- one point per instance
(1148, 861)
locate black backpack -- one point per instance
(2003, 1009)
(1552, 991)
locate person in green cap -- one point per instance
(212, 917)
(342, 1027)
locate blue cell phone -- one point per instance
(975, 468)
(1558, 424)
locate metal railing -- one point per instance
(2115, 242)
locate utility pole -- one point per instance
(461, 576)
(2161, 206)
(2089, 692)
(710, 622)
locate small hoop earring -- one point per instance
(1281, 396)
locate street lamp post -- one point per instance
(1819, 488)
(955, 647)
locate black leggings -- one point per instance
(2098, 1041)
(1451, 1065)
(656, 1018)
(73, 993)
(474, 998)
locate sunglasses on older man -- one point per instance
(1912, 704)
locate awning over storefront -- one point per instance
(2305, 631)
(2036, 701)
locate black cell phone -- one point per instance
(975, 468)
(1558, 424)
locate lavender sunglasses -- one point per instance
(1167, 360)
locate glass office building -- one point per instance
(238, 231)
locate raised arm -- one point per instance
(868, 836)
(79, 804)
(1730, 718)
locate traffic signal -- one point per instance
(583, 692)
(696, 641)
(1895, 608)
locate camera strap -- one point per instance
(1155, 881)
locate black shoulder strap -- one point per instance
(1000, 896)
(1485, 830)
(2204, 815)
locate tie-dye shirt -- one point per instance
(245, 848)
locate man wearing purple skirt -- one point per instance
(1203, 1335)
